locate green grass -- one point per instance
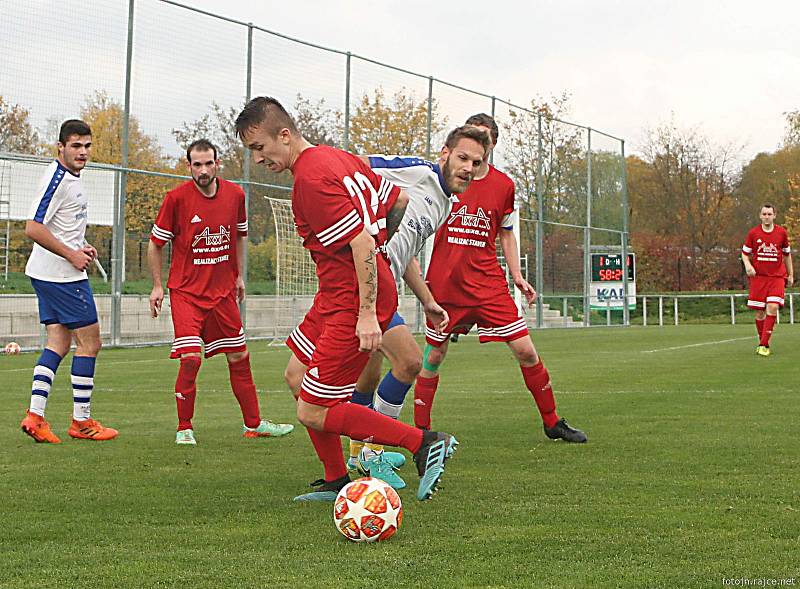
(690, 475)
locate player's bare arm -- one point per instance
(395, 215)
(366, 264)
(240, 250)
(155, 258)
(509, 245)
(79, 258)
(748, 266)
(787, 260)
(435, 313)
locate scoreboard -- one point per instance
(606, 286)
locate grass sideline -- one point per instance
(690, 475)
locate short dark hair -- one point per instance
(200, 145)
(261, 109)
(467, 132)
(484, 120)
(72, 127)
(768, 206)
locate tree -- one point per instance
(17, 134)
(792, 136)
(563, 165)
(397, 125)
(105, 116)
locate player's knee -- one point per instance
(433, 356)
(234, 357)
(293, 378)
(527, 356)
(408, 368)
(310, 415)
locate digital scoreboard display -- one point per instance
(608, 267)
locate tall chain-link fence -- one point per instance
(150, 76)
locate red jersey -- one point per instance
(766, 250)
(464, 270)
(335, 196)
(204, 233)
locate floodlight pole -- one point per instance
(346, 140)
(626, 314)
(539, 225)
(246, 166)
(491, 154)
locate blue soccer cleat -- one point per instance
(436, 449)
(327, 490)
(378, 467)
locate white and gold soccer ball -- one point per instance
(367, 510)
(12, 348)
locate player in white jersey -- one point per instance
(57, 269)
(430, 188)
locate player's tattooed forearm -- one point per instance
(371, 294)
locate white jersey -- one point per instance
(429, 204)
(60, 205)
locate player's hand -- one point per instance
(437, 316)
(750, 271)
(240, 289)
(789, 280)
(90, 249)
(79, 259)
(368, 332)
(526, 289)
(156, 298)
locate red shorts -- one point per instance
(218, 325)
(335, 362)
(766, 289)
(498, 321)
(302, 340)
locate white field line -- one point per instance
(714, 343)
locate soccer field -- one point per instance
(689, 477)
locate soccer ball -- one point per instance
(12, 348)
(367, 510)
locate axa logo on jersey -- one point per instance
(212, 239)
(478, 219)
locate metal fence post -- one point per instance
(587, 238)
(644, 311)
(246, 165)
(118, 232)
(608, 311)
(491, 155)
(564, 311)
(430, 118)
(661, 311)
(626, 318)
(733, 311)
(676, 310)
(539, 220)
(791, 308)
(347, 103)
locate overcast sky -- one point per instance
(730, 68)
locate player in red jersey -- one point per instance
(466, 279)
(339, 206)
(206, 222)
(767, 260)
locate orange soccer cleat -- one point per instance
(90, 429)
(37, 427)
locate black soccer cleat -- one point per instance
(436, 448)
(325, 491)
(563, 431)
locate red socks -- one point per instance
(759, 327)
(538, 382)
(766, 330)
(186, 390)
(360, 423)
(328, 447)
(245, 391)
(424, 391)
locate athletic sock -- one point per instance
(82, 374)
(759, 327)
(424, 391)
(43, 374)
(186, 390)
(538, 382)
(328, 447)
(391, 394)
(365, 400)
(244, 389)
(360, 423)
(766, 331)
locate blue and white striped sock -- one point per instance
(43, 374)
(82, 386)
(391, 394)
